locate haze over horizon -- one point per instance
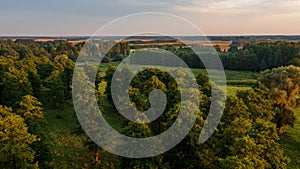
(213, 17)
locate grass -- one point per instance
(290, 142)
(233, 78)
(236, 80)
(232, 90)
(109, 114)
(67, 149)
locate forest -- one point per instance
(39, 128)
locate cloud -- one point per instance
(79, 15)
(237, 6)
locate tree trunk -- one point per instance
(97, 159)
(279, 130)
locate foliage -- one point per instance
(261, 56)
(15, 85)
(15, 141)
(30, 109)
(290, 142)
(284, 84)
(246, 141)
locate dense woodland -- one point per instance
(37, 77)
(255, 57)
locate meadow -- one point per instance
(235, 80)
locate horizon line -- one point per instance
(58, 36)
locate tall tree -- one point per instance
(15, 85)
(108, 78)
(65, 66)
(57, 92)
(295, 62)
(29, 65)
(284, 84)
(139, 130)
(32, 112)
(15, 141)
(30, 109)
(243, 141)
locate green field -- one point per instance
(236, 80)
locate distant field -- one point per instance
(231, 75)
(232, 90)
(236, 80)
(146, 43)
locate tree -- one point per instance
(15, 85)
(4, 64)
(205, 89)
(44, 67)
(32, 112)
(57, 92)
(284, 84)
(65, 66)
(295, 62)
(139, 130)
(243, 141)
(30, 109)
(83, 89)
(91, 69)
(15, 141)
(140, 94)
(108, 78)
(259, 102)
(189, 153)
(29, 65)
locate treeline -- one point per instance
(249, 57)
(261, 56)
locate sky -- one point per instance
(85, 17)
